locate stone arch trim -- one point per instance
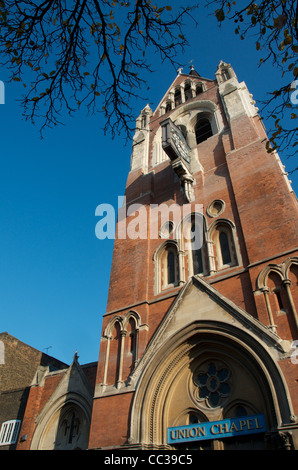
(123, 321)
(163, 245)
(281, 269)
(179, 230)
(170, 243)
(220, 221)
(188, 113)
(52, 411)
(131, 314)
(111, 324)
(149, 406)
(234, 243)
(288, 263)
(263, 276)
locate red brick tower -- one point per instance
(201, 333)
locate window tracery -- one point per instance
(72, 428)
(213, 384)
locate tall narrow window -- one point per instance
(225, 248)
(130, 356)
(114, 355)
(171, 268)
(197, 253)
(187, 91)
(203, 130)
(225, 75)
(167, 273)
(197, 260)
(132, 337)
(177, 98)
(144, 121)
(199, 89)
(168, 107)
(168, 267)
(195, 242)
(279, 301)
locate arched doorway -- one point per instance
(210, 372)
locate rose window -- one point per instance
(213, 385)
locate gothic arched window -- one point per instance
(171, 277)
(277, 291)
(203, 130)
(168, 267)
(193, 232)
(224, 244)
(199, 89)
(225, 75)
(114, 354)
(177, 96)
(225, 249)
(278, 283)
(198, 253)
(168, 106)
(187, 91)
(132, 337)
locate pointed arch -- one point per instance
(263, 275)
(190, 112)
(64, 425)
(226, 253)
(122, 336)
(167, 389)
(192, 233)
(177, 95)
(203, 129)
(290, 263)
(188, 93)
(278, 283)
(114, 366)
(70, 404)
(131, 344)
(166, 260)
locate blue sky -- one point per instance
(54, 272)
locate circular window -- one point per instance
(212, 384)
(167, 229)
(216, 208)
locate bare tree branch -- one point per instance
(86, 52)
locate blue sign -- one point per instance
(217, 429)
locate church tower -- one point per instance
(198, 340)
